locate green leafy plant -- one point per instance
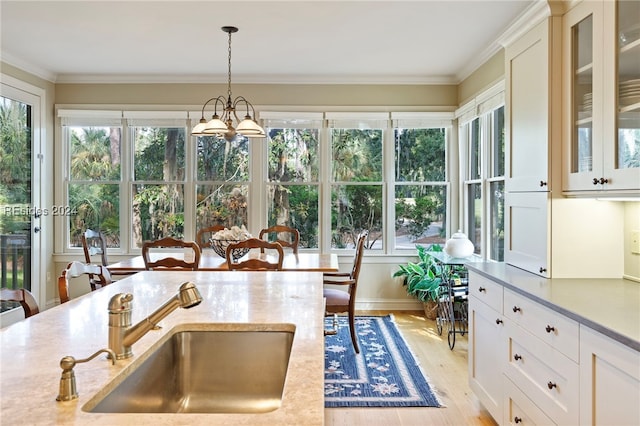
(422, 280)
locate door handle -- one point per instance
(36, 229)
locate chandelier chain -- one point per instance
(229, 63)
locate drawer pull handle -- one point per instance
(516, 309)
(543, 183)
(517, 419)
(551, 385)
(595, 181)
(498, 321)
(542, 269)
(603, 181)
(550, 329)
(482, 289)
(517, 357)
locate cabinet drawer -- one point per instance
(546, 376)
(486, 291)
(551, 327)
(520, 410)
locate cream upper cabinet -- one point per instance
(532, 74)
(601, 102)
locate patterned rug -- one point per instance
(384, 373)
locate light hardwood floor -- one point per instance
(446, 371)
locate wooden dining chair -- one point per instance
(285, 235)
(22, 296)
(204, 234)
(76, 269)
(344, 301)
(255, 263)
(169, 262)
(94, 244)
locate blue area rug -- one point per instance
(384, 373)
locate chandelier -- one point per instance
(223, 125)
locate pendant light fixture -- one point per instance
(223, 125)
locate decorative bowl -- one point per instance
(220, 247)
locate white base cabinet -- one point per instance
(610, 379)
(486, 362)
(529, 364)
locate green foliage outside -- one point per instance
(15, 191)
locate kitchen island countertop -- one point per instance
(31, 349)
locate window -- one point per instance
(420, 175)
(356, 178)
(93, 147)
(157, 188)
(222, 186)
(140, 176)
(482, 141)
(293, 174)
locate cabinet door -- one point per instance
(583, 97)
(621, 154)
(527, 111)
(527, 231)
(487, 354)
(610, 381)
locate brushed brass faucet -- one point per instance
(122, 335)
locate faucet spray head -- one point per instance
(189, 296)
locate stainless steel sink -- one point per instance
(207, 371)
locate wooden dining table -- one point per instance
(210, 261)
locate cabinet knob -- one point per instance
(543, 269)
(482, 289)
(517, 419)
(551, 385)
(603, 181)
(543, 183)
(550, 329)
(517, 357)
(516, 309)
(498, 321)
(595, 181)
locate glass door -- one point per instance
(19, 214)
(627, 147)
(582, 70)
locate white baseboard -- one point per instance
(388, 305)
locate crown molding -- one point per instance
(254, 79)
(531, 17)
(523, 23)
(28, 67)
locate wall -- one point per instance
(416, 96)
(631, 224)
(484, 77)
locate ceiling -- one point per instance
(402, 42)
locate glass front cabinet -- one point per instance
(601, 102)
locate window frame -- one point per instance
(258, 170)
(482, 109)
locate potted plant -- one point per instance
(422, 280)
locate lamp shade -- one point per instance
(215, 126)
(250, 128)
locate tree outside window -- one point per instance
(93, 187)
(293, 181)
(158, 184)
(356, 189)
(420, 187)
(222, 187)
